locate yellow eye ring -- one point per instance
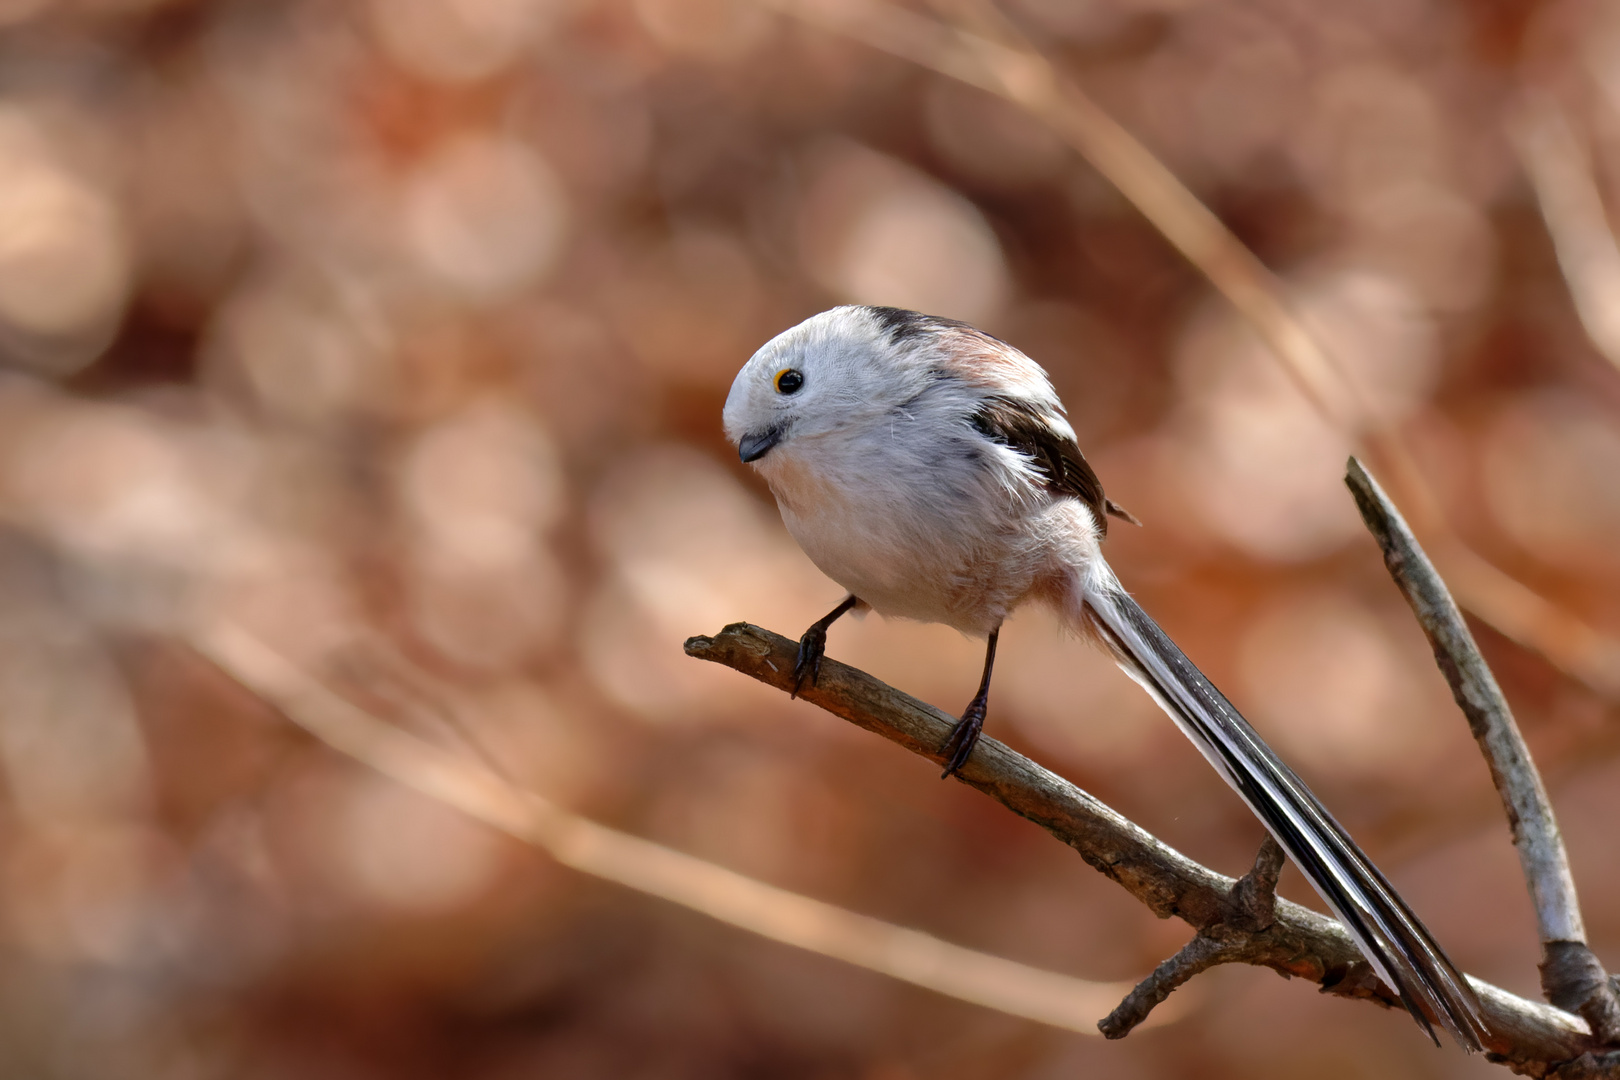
(789, 381)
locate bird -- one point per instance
(930, 470)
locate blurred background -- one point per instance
(397, 333)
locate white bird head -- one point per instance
(840, 371)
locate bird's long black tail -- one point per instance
(1391, 937)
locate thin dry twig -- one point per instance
(1560, 171)
(1529, 1036)
(1200, 954)
(982, 48)
(1571, 975)
(1018, 73)
(1524, 797)
(911, 956)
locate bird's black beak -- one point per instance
(754, 447)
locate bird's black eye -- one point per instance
(789, 381)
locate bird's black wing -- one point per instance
(1056, 456)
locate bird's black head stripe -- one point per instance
(900, 324)
(903, 325)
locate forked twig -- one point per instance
(1527, 1035)
(1571, 975)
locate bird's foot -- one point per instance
(807, 667)
(964, 737)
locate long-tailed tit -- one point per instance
(928, 468)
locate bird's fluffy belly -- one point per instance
(914, 561)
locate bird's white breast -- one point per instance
(924, 520)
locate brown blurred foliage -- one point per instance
(398, 332)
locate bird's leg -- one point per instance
(965, 735)
(813, 645)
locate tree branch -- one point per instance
(1571, 975)
(1529, 1036)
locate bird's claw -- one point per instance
(964, 737)
(807, 666)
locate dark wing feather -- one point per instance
(1056, 456)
